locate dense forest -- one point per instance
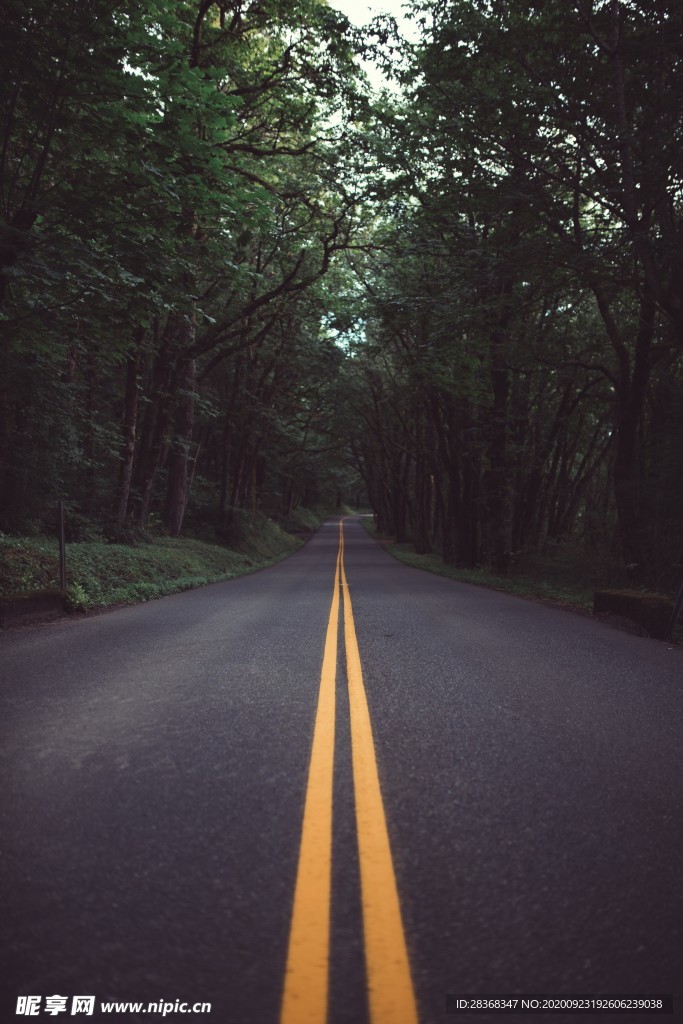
(235, 279)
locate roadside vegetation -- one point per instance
(576, 596)
(565, 577)
(550, 579)
(101, 574)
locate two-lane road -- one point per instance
(344, 773)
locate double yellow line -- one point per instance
(390, 989)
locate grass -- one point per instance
(562, 576)
(565, 576)
(580, 597)
(101, 574)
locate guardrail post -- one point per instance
(62, 546)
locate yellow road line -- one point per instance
(390, 988)
(306, 979)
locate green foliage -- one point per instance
(170, 187)
(76, 598)
(101, 574)
(27, 564)
(521, 303)
(522, 586)
(302, 520)
(257, 535)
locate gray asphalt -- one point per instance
(154, 765)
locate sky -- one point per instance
(360, 12)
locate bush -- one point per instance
(302, 520)
(28, 564)
(130, 535)
(77, 527)
(76, 598)
(101, 573)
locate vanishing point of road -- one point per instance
(334, 791)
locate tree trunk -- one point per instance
(177, 486)
(499, 504)
(626, 477)
(15, 239)
(129, 430)
(630, 394)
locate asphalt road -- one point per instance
(155, 767)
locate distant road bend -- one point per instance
(334, 791)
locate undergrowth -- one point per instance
(564, 587)
(563, 577)
(101, 574)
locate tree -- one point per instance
(179, 161)
(526, 138)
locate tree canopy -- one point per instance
(233, 277)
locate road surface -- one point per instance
(337, 776)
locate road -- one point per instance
(510, 773)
